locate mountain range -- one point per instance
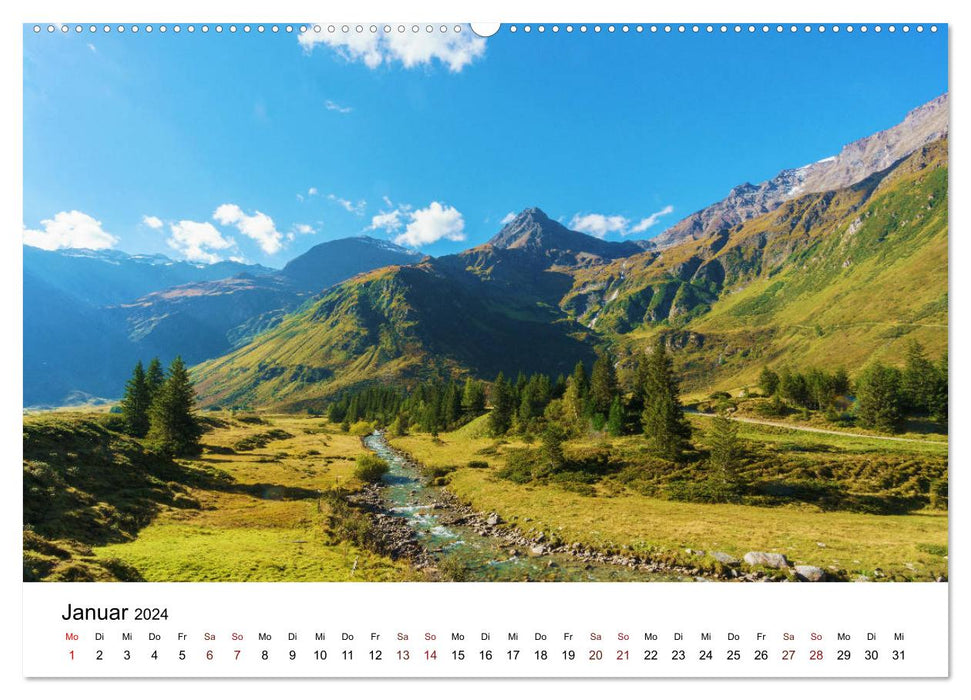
(834, 263)
(90, 315)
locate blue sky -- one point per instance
(259, 146)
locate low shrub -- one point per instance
(370, 468)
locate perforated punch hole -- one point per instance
(486, 30)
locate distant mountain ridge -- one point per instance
(855, 162)
(103, 277)
(99, 311)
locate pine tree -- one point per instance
(663, 418)
(551, 447)
(878, 398)
(473, 398)
(500, 419)
(917, 381)
(603, 385)
(154, 378)
(136, 402)
(615, 420)
(173, 428)
(580, 380)
(452, 408)
(725, 451)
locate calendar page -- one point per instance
(426, 348)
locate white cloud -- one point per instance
(431, 224)
(304, 229)
(387, 200)
(453, 49)
(257, 226)
(197, 240)
(312, 192)
(507, 218)
(93, 48)
(599, 225)
(70, 229)
(152, 222)
(334, 107)
(353, 207)
(390, 221)
(649, 221)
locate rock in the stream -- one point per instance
(493, 519)
(768, 559)
(810, 573)
(537, 550)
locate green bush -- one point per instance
(370, 468)
(478, 464)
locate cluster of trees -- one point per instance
(884, 395)
(553, 409)
(570, 406)
(158, 406)
(431, 406)
(815, 389)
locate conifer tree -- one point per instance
(615, 420)
(663, 418)
(136, 402)
(173, 428)
(580, 380)
(500, 419)
(473, 398)
(725, 451)
(878, 398)
(603, 385)
(551, 447)
(154, 377)
(918, 380)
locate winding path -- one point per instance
(807, 429)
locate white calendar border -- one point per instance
(444, 10)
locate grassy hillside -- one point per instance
(401, 323)
(838, 278)
(98, 506)
(86, 484)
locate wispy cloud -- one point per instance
(70, 229)
(507, 218)
(357, 207)
(455, 50)
(649, 221)
(334, 107)
(197, 241)
(257, 226)
(600, 225)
